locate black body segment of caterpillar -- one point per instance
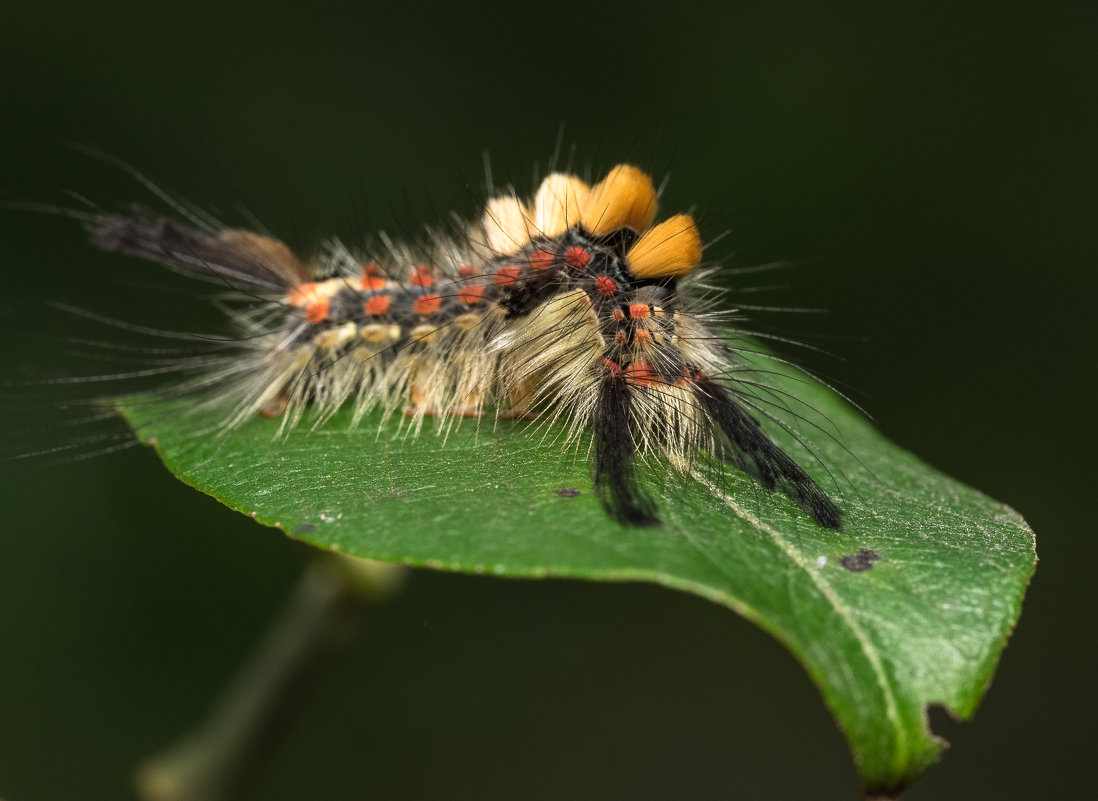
(567, 307)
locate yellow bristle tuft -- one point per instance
(507, 225)
(558, 203)
(625, 198)
(671, 249)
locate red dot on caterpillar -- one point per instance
(471, 295)
(427, 304)
(371, 278)
(612, 368)
(577, 257)
(540, 260)
(378, 304)
(317, 312)
(641, 374)
(605, 286)
(506, 274)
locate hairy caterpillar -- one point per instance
(574, 306)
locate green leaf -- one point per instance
(910, 605)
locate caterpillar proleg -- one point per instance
(574, 305)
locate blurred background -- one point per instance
(929, 171)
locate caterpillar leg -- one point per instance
(522, 400)
(431, 397)
(276, 406)
(422, 389)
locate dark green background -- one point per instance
(930, 171)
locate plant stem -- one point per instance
(218, 760)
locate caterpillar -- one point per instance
(574, 305)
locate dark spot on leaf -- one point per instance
(862, 560)
(306, 528)
(567, 492)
